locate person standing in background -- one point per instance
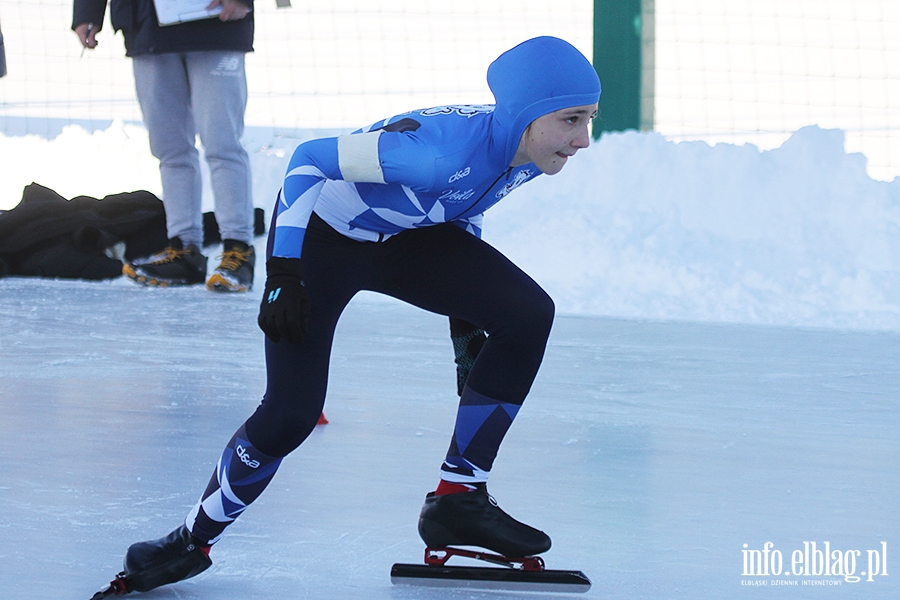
(2, 56)
(190, 80)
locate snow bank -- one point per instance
(640, 227)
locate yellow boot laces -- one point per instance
(233, 259)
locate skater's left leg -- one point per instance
(456, 274)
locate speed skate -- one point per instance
(517, 574)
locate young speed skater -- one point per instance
(396, 208)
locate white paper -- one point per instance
(171, 12)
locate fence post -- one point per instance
(623, 57)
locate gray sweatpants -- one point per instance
(183, 95)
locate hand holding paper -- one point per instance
(172, 12)
(230, 10)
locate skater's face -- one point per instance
(550, 140)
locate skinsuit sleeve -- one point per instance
(376, 157)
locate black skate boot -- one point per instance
(174, 266)
(475, 519)
(175, 557)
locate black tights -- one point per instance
(442, 269)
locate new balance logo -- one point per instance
(245, 457)
(227, 67)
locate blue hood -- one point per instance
(538, 77)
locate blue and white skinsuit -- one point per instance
(396, 208)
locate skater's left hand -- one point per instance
(284, 311)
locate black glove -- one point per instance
(284, 311)
(467, 342)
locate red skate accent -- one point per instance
(322, 420)
(447, 487)
(117, 587)
(439, 556)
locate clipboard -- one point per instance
(173, 12)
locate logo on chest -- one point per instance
(459, 175)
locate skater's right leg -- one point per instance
(295, 394)
(296, 382)
(241, 475)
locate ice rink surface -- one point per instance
(651, 452)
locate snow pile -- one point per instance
(78, 162)
(635, 226)
(640, 227)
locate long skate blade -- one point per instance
(107, 593)
(487, 578)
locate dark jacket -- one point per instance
(137, 21)
(46, 235)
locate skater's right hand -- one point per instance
(284, 310)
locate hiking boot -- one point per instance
(174, 266)
(475, 519)
(235, 272)
(175, 557)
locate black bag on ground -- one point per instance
(46, 235)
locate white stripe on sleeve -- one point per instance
(358, 157)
